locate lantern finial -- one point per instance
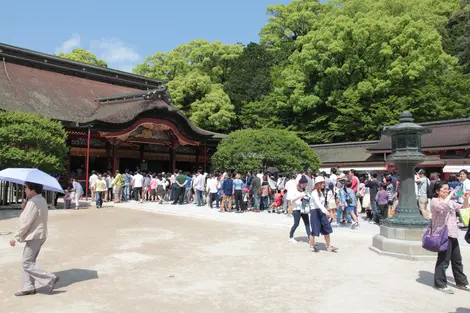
(406, 117)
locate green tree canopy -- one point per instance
(250, 79)
(329, 71)
(457, 36)
(195, 72)
(359, 64)
(249, 149)
(84, 56)
(31, 141)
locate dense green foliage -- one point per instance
(84, 56)
(195, 73)
(250, 149)
(31, 141)
(457, 35)
(331, 71)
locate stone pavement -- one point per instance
(159, 258)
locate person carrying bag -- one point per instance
(442, 237)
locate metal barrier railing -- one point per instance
(12, 195)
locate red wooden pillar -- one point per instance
(198, 151)
(69, 159)
(115, 158)
(87, 163)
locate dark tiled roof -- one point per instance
(445, 134)
(347, 152)
(57, 96)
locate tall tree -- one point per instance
(250, 78)
(84, 56)
(361, 63)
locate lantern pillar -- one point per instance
(400, 235)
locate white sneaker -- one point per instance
(292, 240)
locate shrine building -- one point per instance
(447, 150)
(123, 121)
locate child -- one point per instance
(331, 203)
(276, 206)
(391, 195)
(382, 204)
(351, 201)
(67, 199)
(246, 197)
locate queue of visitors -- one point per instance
(347, 195)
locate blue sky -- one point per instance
(123, 33)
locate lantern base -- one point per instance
(402, 243)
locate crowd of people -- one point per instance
(346, 195)
(321, 201)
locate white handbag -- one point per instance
(366, 201)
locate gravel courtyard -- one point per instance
(122, 260)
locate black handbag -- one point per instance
(467, 234)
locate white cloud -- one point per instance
(114, 51)
(70, 44)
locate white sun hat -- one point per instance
(319, 179)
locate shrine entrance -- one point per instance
(148, 144)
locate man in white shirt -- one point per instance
(138, 182)
(213, 188)
(333, 177)
(198, 184)
(92, 181)
(291, 187)
(173, 186)
(260, 175)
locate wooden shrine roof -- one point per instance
(77, 93)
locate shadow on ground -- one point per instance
(75, 275)
(305, 239)
(427, 278)
(302, 239)
(8, 214)
(461, 310)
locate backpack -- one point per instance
(429, 190)
(127, 178)
(305, 207)
(348, 198)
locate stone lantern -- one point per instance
(401, 235)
